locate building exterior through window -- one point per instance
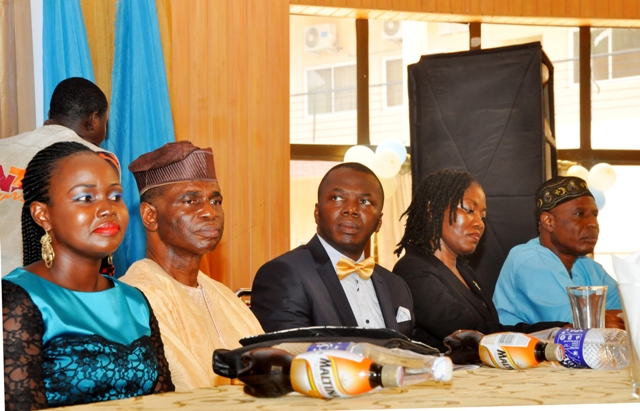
(323, 98)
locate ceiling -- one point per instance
(372, 14)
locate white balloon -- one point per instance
(389, 185)
(394, 145)
(386, 164)
(578, 171)
(360, 154)
(602, 176)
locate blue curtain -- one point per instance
(140, 119)
(65, 48)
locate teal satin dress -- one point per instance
(96, 346)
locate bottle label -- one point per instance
(341, 346)
(328, 374)
(511, 351)
(510, 339)
(572, 339)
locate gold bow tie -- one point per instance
(364, 268)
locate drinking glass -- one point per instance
(588, 305)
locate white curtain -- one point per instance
(392, 230)
(17, 109)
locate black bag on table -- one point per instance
(230, 363)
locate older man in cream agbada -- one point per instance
(181, 210)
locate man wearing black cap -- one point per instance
(533, 280)
(181, 210)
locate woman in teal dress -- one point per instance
(72, 335)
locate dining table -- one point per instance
(478, 387)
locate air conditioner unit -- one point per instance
(392, 30)
(321, 37)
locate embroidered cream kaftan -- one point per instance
(191, 332)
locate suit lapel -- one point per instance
(445, 275)
(384, 299)
(479, 302)
(328, 275)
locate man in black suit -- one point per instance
(328, 281)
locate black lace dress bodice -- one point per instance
(55, 357)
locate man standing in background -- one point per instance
(79, 112)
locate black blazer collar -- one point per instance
(384, 299)
(328, 275)
(477, 298)
(317, 251)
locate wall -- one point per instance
(229, 84)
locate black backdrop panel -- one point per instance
(484, 111)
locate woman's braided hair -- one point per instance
(425, 215)
(35, 187)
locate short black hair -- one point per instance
(35, 187)
(151, 195)
(425, 215)
(352, 166)
(76, 98)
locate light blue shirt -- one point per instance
(360, 293)
(533, 282)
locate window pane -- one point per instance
(600, 39)
(319, 87)
(615, 237)
(345, 88)
(322, 59)
(616, 102)
(392, 46)
(626, 49)
(394, 82)
(576, 57)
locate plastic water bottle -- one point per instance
(418, 367)
(597, 348)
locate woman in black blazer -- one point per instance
(445, 222)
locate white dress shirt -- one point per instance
(360, 293)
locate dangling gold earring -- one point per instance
(47, 250)
(110, 259)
